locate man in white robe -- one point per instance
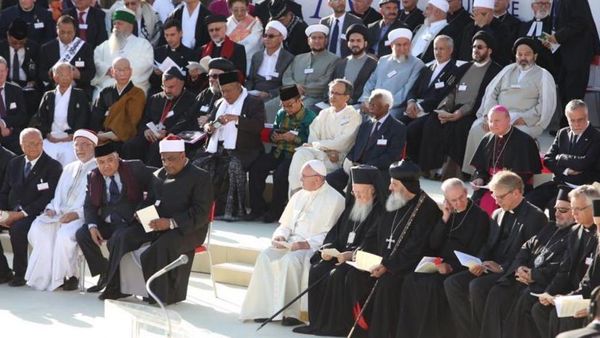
(123, 43)
(53, 261)
(280, 274)
(332, 133)
(527, 90)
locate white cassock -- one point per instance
(140, 54)
(280, 275)
(54, 254)
(330, 130)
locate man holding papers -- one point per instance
(508, 308)
(329, 307)
(515, 222)
(281, 271)
(463, 227)
(183, 199)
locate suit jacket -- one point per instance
(180, 56)
(451, 31)
(201, 32)
(368, 150)
(251, 122)
(576, 32)
(370, 16)
(33, 193)
(5, 157)
(16, 115)
(175, 123)
(78, 114)
(592, 330)
(413, 19)
(96, 29)
(349, 20)
(361, 79)
(257, 82)
(134, 175)
(83, 61)
(29, 64)
(40, 25)
(545, 57)
(296, 42)
(432, 94)
(457, 21)
(261, 10)
(374, 30)
(583, 156)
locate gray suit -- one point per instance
(363, 75)
(349, 20)
(258, 82)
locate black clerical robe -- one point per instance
(401, 242)
(423, 297)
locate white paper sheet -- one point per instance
(466, 259)
(365, 261)
(567, 306)
(146, 215)
(427, 265)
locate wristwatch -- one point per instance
(171, 224)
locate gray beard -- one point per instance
(563, 225)
(215, 89)
(360, 211)
(117, 41)
(395, 201)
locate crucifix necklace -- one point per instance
(452, 228)
(496, 159)
(395, 226)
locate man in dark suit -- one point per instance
(338, 23)
(283, 11)
(12, 111)
(411, 15)
(380, 141)
(432, 85)
(115, 190)
(26, 190)
(183, 199)
(63, 111)
(573, 156)
(74, 50)
(165, 113)
(220, 45)
(357, 36)
(40, 26)
(263, 10)
(200, 30)
(91, 25)
(458, 18)
(363, 10)
(378, 31)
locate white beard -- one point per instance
(117, 41)
(395, 201)
(360, 211)
(401, 58)
(540, 15)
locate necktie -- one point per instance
(334, 37)
(372, 138)
(113, 190)
(166, 110)
(15, 66)
(27, 169)
(82, 32)
(2, 106)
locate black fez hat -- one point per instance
(357, 28)
(222, 64)
(228, 77)
(525, 41)
(18, 29)
(288, 92)
(277, 9)
(563, 193)
(407, 172)
(174, 72)
(105, 149)
(364, 174)
(486, 37)
(215, 18)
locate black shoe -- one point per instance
(17, 281)
(6, 278)
(71, 284)
(149, 300)
(260, 320)
(253, 216)
(306, 329)
(101, 284)
(112, 295)
(270, 218)
(291, 321)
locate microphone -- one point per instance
(181, 260)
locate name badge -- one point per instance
(439, 85)
(391, 74)
(382, 142)
(515, 86)
(344, 122)
(13, 105)
(204, 109)
(79, 64)
(38, 25)
(462, 88)
(157, 203)
(343, 36)
(170, 113)
(309, 71)
(83, 26)
(43, 186)
(589, 260)
(351, 237)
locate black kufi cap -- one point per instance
(533, 44)
(486, 37)
(288, 92)
(18, 29)
(215, 18)
(222, 64)
(105, 149)
(228, 77)
(357, 28)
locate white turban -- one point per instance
(483, 3)
(90, 135)
(316, 28)
(278, 26)
(171, 144)
(441, 4)
(399, 33)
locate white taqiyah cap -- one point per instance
(278, 26)
(90, 135)
(441, 4)
(399, 33)
(171, 144)
(484, 3)
(316, 28)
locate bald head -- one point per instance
(499, 120)
(121, 71)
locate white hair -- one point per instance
(385, 95)
(28, 131)
(452, 183)
(61, 64)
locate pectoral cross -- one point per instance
(390, 241)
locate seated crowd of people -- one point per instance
(108, 107)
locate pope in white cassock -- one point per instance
(123, 43)
(280, 274)
(53, 261)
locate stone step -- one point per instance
(233, 273)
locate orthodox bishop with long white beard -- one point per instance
(53, 261)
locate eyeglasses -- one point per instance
(271, 36)
(563, 210)
(582, 208)
(500, 197)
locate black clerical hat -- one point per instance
(228, 77)
(18, 29)
(563, 193)
(407, 172)
(173, 72)
(215, 18)
(486, 37)
(533, 44)
(364, 174)
(222, 64)
(357, 28)
(278, 9)
(288, 92)
(105, 149)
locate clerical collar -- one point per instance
(176, 48)
(482, 64)
(507, 132)
(517, 208)
(502, 16)
(219, 44)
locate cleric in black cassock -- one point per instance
(463, 227)
(508, 309)
(183, 199)
(329, 307)
(400, 237)
(515, 222)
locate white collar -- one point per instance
(34, 161)
(437, 24)
(441, 66)
(275, 53)
(67, 92)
